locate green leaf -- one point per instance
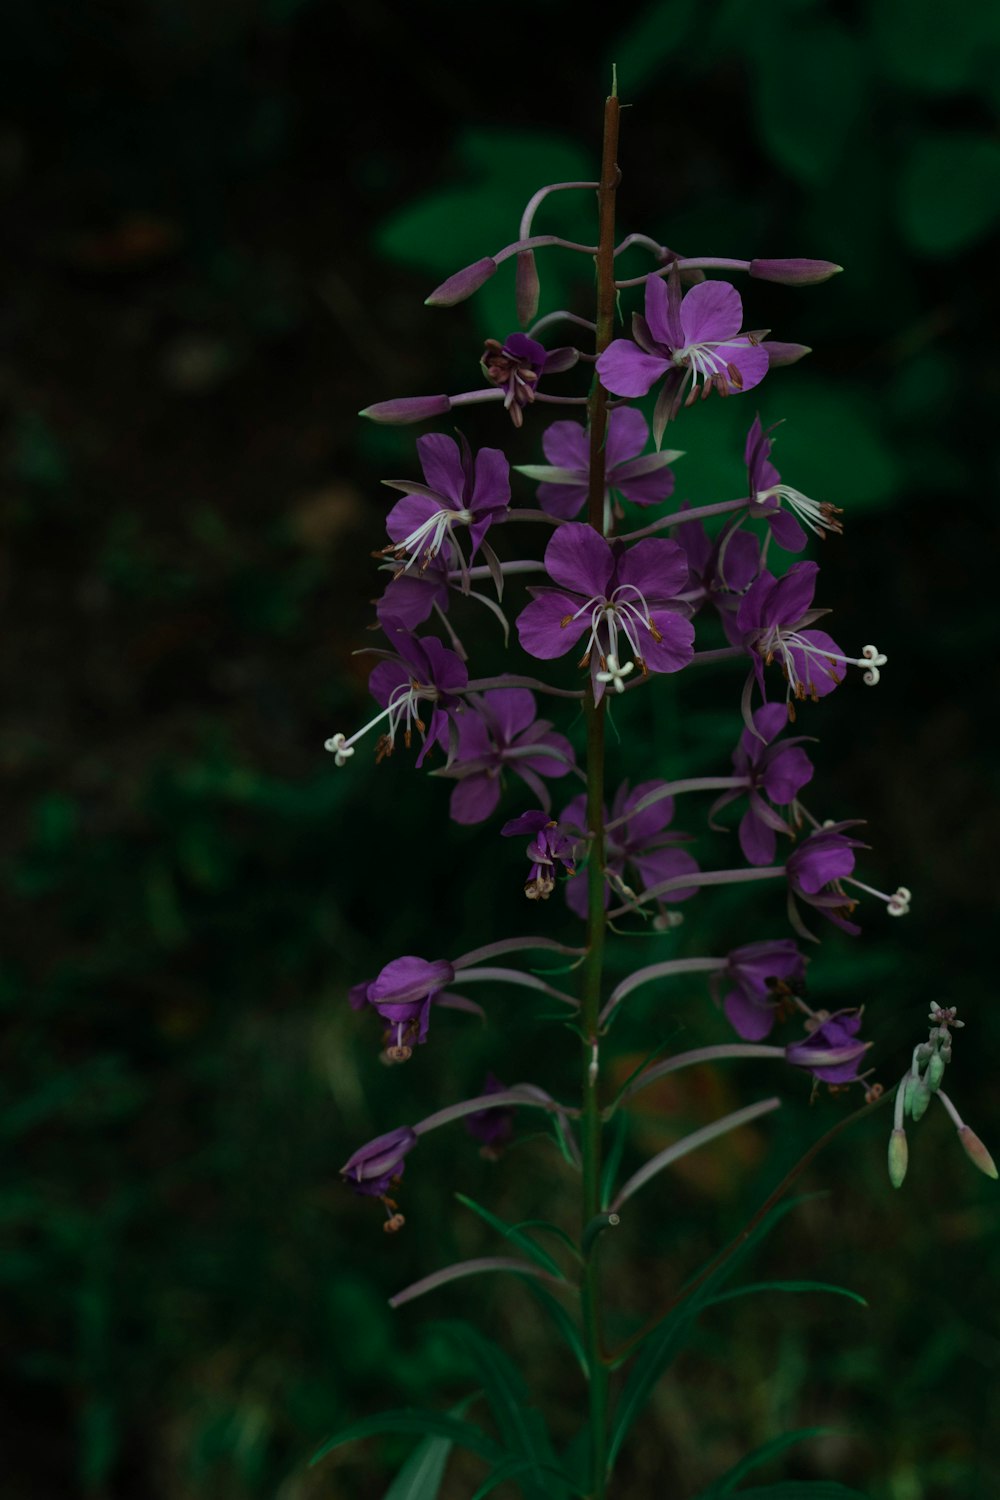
(415, 1420)
(949, 191)
(521, 1427)
(513, 1233)
(420, 1477)
(727, 1482)
(809, 91)
(665, 1340)
(787, 1286)
(801, 1489)
(553, 1229)
(514, 1467)
(613, 1160)
(564, 1322)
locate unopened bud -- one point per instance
(784, 354)
(918, 1097)
(406, 409)
(935, 1071)
(794, 272)
(899, 1156)
(462, 284)
(526, 287)
(976, 1151)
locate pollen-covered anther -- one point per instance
(874, 659)
(339, 749)
(614, 673)
(399, 1053)
(394, 1223)
(898, 904)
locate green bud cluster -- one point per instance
(919, 1085)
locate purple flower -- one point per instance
(493, 1128)
(773, 618)
(815, 870)
(686, 339)
(720, 568)
(500, 730)
(642, 479)
(374, 1168)
(517, 365)
(402, 993)
(460, 491)
(638, 849)
(760, 978)
(409, 598)
(420, 671)
(550, 847)
(626, 600)
(767, 493)
(829, 1051)
(775, 774)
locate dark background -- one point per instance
(220, 222)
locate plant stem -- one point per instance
(590, 1133)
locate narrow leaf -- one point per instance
(787, 1286)
(514, 1233)
(465, 1268)
(691, 1143)
(564, 1322)
(802, 1489)
(420, 1477)
(727, 1482)
(414, 1420)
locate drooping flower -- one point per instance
(375, 1168)
(421, 670)
(492, 1128)
(625, 600)
(402, 993)
(638, 849)
(643, 479)
(517, 365)
(461, 490)
(774, 620)
(830, 1051)
(768, 496)
(686, 339)
(499, 731)
(550, 847)
(815, 870)
(775, 771)
(756, 983)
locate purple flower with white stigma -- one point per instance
(499, 730)
(815, 871)
(421, 671)
(720, 569)
(757, 983)
(549, 848)
(460, 491)
(643, 479)
(767, 495)
(379, 1166)
(493, 1128)
(775, 772)
(517, 365)
(774, 619)
(625, 600)
(830, 1051)
(687, 339)
(636, 846)
(402, 994)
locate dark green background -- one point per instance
(220, 222)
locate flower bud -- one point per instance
(784, 354)
(526, 287)
(407, 409)
(462, 284)
(976, 1151)
(918, 1097)
(794, 272)
(899, 1156)
(935, 1071)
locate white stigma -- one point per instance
(874, 659)
(339, 749)
(898, 904)
(616, 674)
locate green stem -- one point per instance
(596, 924)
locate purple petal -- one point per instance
(675, 648)
(562, 500)
(757, 840)
(768, 721)
(519, 346)
(475, 798)
(657, 568)
(793, 594)
(510, 710)
(820, 673)
(385, 678)
(558, 360)
(566, 445)
(529, 822)
(662, 311)
(409, 513)
(747, 363)
(491, 489)
(442, 466)
(787, 771)
(577, 557)
(540, 626)
(408, 979)
(786, 531)
(712, 311)
(665, 864)
(642, 483)
(628, 434)
(625, 371)
(411, 598)
(643, 825)
(750, 1019)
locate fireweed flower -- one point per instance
(410, 598)
(644, 479)
(497, 731)
(402, 994)
(830, 1051)
(720, 570)
(420, 671)
(550, 847)
(768, 496)
(638, 849)
(775, 771)
(517, 365)
(690, 339)
(492, 1128)
(460, 491)
(774, 619)
(815, 871)
(379, 1166)
(625, 600)
(758, 982)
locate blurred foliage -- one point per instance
(221, 222)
